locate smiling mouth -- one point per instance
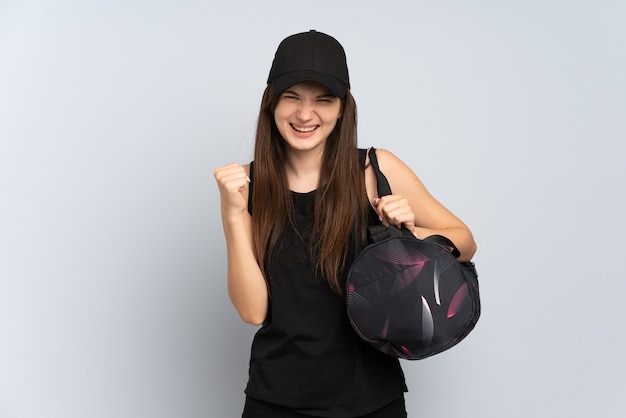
(304, 129)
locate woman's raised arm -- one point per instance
(246, 285)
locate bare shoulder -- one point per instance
(393, 167)
(401, 178)
(384, 157)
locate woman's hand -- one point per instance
(395, 210)
(232, 181)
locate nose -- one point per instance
(305, 110)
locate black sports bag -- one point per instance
(410, 298)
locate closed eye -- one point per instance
(327, 99)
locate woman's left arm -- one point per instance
(413, 206)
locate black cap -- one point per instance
(310, 56)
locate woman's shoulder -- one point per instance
(396, 171)
(388, 159)
(383, 156)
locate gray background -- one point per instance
(114, 114)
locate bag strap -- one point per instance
(378, 232)
(381, 181)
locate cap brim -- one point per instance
(285, 81)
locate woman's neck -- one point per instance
(303, 171)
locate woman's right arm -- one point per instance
(246, 285)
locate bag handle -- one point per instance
(444, 242)
(377, 233)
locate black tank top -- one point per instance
(306, 356)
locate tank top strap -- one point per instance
(250, 186)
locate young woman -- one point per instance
(289, 220)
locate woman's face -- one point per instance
(306, 114)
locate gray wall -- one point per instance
(112, 264)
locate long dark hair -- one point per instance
(340, 199)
